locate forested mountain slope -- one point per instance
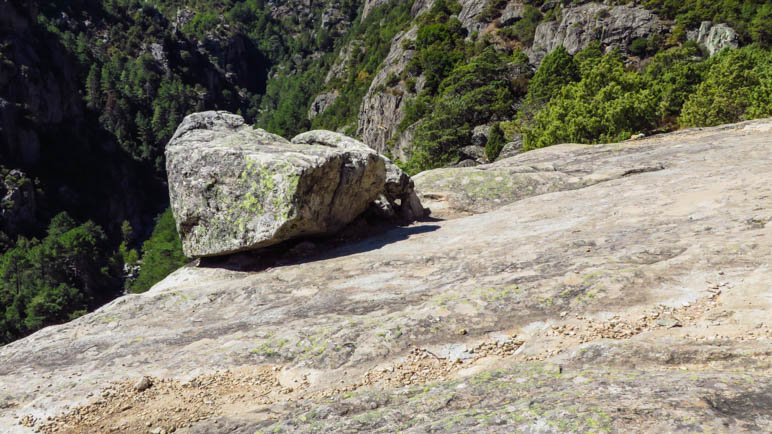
(90, 93)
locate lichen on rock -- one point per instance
(235, 188)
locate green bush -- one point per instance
(608, 104)
(673, 75)
(495, 143)
(737, 86)
(474, 93)
(556, 70)
(161, 253)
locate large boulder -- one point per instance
(235, 188)
(398, 198)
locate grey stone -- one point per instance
(612, 26)
(142, 384)
(469, 15)
(473, 152)
(548, 6)
(398, 187)
(159, 54)
(321, 103)
(511, 148)
(235, 188)
(480, 135)
(512, 14)
(715, 37)
(465, 163)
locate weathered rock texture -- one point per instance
(234, 188)
(612, 26)
(321, 103)
(638, 303)
(715, 38)
(398, 198)
(383, 109)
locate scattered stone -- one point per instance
(512, 148)
(473, 152)
(142, 384)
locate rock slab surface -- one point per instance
(637, 303)
(234, 188)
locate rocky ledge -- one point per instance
(631, 293)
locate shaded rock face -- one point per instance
(612, 26)
(480, 135)
(511, 148)
(715, 38)
(321, 103)
(234, 188)
(37, 81)
(470, 10)
(398, 198)
(382, 111)
(485, 323)
(512, 13)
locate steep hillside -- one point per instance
(634, 297)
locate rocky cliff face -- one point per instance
(382, 107)
(623, 287)
(714, 38)
(612, 26)
(38, 85)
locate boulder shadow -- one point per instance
(357, 238)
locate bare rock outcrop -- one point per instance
(612, 26)
(715, 38)
(383, 109)
(235, 188)
(321, 103)
(635, 303)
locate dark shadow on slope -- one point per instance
(359, 237)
